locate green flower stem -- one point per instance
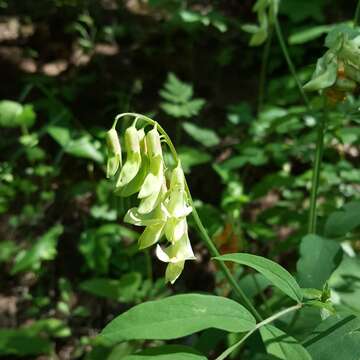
(202, 231)
(289, 61)
(269, 320)
(264, 66)
(316, 173)
(357, 15)
(214, 252)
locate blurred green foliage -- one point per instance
(68, 263)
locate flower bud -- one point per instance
(150, 189)
(133, 159)
(132, 140)
(153, 143)
(177, 205)
(135, 184)
(114, 153)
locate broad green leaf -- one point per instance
(121, 290)
(343, 221)
(319, 257)
(336, 338)
(206, 137)
(43, 250)
(275, 273)
(178, 316)
(303, 36)
(13, 114)
(167, 352)
(281, 345)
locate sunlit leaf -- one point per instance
(275, 273)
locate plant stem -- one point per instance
(202, 231)
(357, 15)
(214, 252)
(316, 173)
(264, 65)
(289, 61)
(270, 319)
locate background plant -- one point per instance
(69, 265)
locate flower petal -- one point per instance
(173, 271)
(151, 235)
(162, 254)
(175, 228)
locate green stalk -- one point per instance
(289, 61)
(264, 65)
(316, 173)
(214, 252)
(269, 320)
(202, 231)
(357, 15)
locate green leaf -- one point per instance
(275, 273)
(7, 250)
(336, 338)
(178, 316)
(281, 345)
(192, 157)
(175, 90)
(345, 283)
(22, 343)
(319, 257)
(189, 109)
(44, 249)
(309, 34)
(13, 114)
(178, 98)
(167, 352)
(325, 73)
(206, 137)
(344, 221)
(120, 290)
(95, 247)
(83, 147)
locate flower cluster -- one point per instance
(338, 70)
(162, 209)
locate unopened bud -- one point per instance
(132, 141)
(153, 143)
(114, 153)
